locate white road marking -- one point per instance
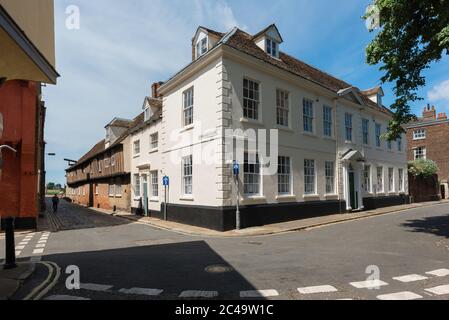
(18, 253)
(142, 291)
(410, 278)
(344, 299)
(42, 241)
(404, 295)
(198, 294)
(317, 289)
(23, 243)
(41, 245)
(38, 251)
(95, 287)
(20, 247)
(440, 290)
(439, 272)
(259, 293)
(65, 298)
(368, 284)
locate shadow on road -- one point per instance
(173, 267)
(438, 225)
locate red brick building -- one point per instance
(428, 138)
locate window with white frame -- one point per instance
(308, 115)
(367, 178)
(118, 190)
(309, 176)
(282, 107)
(154, 140)
(136, 148)
(329, 170)
(187, 175)
(272, 47)
(251, 178)
(419, 134)
(348, 127)
(390, 180)
(201, 47)
(136, 185)
(284, 176)
(327, 121)
(250, 99)
(188, 99)
(378, 135)
(420, 153)
(401, 179)
(147, 114)
(380, 179)
(154, 184)
(365, 131)
(111, 190)
(399, 144)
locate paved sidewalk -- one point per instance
(277, 228)
(11, 280)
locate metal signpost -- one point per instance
(236, 171)
(166, 183)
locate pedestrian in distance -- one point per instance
(55, 201)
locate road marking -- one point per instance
(344, 299)
(20, 247)
(368, 284)
(440, 290)
(18, 253)
(404, 295)
(259, 293)
(95, 287)
(65, 298)
(41, 245)
(23, 243)
(38, 251)
(317, 289)
(410, 278)
(439, 272)
(142, 291)
(198, 294)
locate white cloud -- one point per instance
(439, 92)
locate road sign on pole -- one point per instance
(236, 172)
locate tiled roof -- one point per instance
(371, 91)
(98, 148)
(216, 33)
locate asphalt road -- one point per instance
(118, 259)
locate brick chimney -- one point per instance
(154, 87)
(429, 113)
(442, 116)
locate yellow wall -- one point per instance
(36, 19)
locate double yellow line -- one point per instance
(54, 272)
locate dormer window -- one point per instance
(271, 47)
(201, 47)
(147, 115)
(379, 99)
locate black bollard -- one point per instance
(10, 249)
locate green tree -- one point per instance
(51, 186)
(413, 34)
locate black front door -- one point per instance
(352, 192)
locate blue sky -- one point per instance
(108, 65)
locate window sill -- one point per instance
(284, 128)
(154, 199)
(286, 197)
(309, 134)
(382, 194)
(117, 196)
(136, 156)
(252, 121)
(311, 197)
(153, 150)
(186, 198)
(250, 197)
(187, 128)
(329, 138)
(331, 196)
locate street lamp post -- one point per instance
(10, 247)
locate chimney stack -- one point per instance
(442, 116)
(429, 113)
(154, 88)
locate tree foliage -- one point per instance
(413, 34)
(422, 167)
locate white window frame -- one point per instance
(367, 178)
(137, 191)
(380, 185)
(309, 177)
(188, 98)
(399, 141)
(202, 47)
(154, 184)
(251, 100)
(420, 155)
(308, 115)
(365, 131)
(271, 47)
(348, 127)
(136, 148)
(419, 134)
(391, 185)
(154, 141)
(327, 121)
(378, 132)
(118, 190)
(282, 107)
(111, 190)
(187, 175)
(329, 175)
(252, 175)
(401, 180)
(284, 176)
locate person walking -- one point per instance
(55, 201)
